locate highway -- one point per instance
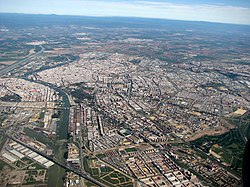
(61, 164)
(20, 63)
(68, 101)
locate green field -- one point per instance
(133, 149)
(245, 129)
(100, 156)
(106, 174)
(243, 123)
(231, 147)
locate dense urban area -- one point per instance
(125, 102)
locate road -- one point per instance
(20, 63)
(82, 173)
(61, 164)
(80, 139)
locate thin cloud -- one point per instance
(150, 9)
(198, 12)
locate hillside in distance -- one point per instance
(22, 20)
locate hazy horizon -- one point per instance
(222, 11)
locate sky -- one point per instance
(222, 11)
